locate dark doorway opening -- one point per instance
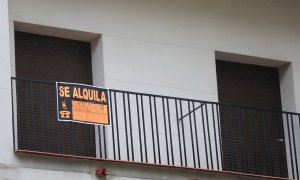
(251, 137)
(42, 60)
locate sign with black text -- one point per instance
(82, 103)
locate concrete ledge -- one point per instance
(129, 170)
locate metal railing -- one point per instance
(162, 130)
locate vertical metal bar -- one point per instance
(153, 142)
(240, 131)
(166, 136)
(269, 144)
(280, 159)
(117, 129)
(144, 130)
(245, 152)
(86, 138)
(196, 134)
(204, 134)
(228, 121)
(183, 134)
(46, 104)
(290, 144)
(220, 138)
(33, 116)
(76, 139)
(62, 136)
(294, 144)
(28, 114)
(18, 117)
(92, 138)
(157, 132)
(58, 123)
(13, 114)
(215, 136)
(170, 131)
(100, 142)
(112, 125)
(177, 120)
(72, 138)
(192, 136)
(104, 142)
(32, 120)
(125, 121)
(208, 135)
(266, 142)
(19, 96)
(87, 135)
(284, 157)
(254, 139)
(139, 126)
(247, 162)
(244, 148)
(59, 140)
(130, 127)
(260, 168)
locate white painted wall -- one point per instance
(296, 76)
(287, 88)
(162, 47)
(259, 28)
(159, 68)
(6, 138)
(266, 29)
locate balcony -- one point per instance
(161, 130)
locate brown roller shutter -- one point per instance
(51, 59)
(250, 136)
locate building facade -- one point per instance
(199, 89)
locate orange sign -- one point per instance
(82, 103)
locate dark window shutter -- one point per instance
(51, 59)
(249, 136)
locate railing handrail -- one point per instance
(172, 97)
(148, 124)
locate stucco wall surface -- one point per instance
(159, 46)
